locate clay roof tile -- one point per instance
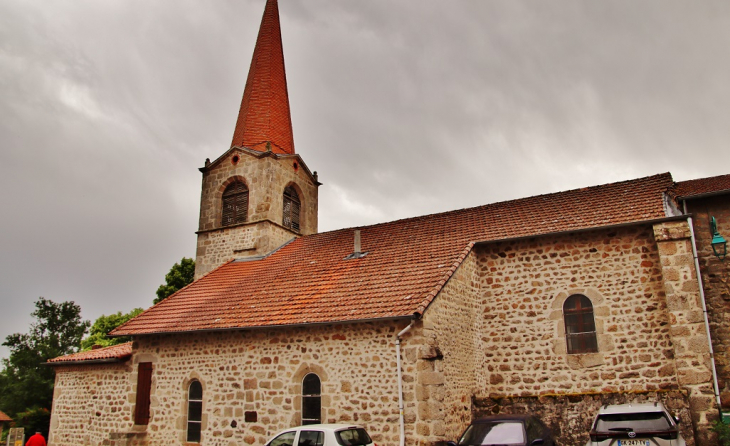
(310, 280)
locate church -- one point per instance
(553, 305)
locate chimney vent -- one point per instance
(357, 250)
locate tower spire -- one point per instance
(264, 118)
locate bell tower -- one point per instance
(259, 194)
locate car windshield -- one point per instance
(494, 433)
(353, 437)
(651, 421)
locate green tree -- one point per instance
(103, 325)
(26, 385)
(180, 275)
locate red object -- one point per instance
(264, 121)
(36, 440)
(409, 261)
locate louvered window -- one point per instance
(580, 326)
(291, 209)
(195, 411)
(144, 385)
(311, 399)
(235, 204)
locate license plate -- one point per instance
(633, 443)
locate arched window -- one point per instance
(580, 327)
(195, 411)
(235, 204)
(291, 209)
(311, 399)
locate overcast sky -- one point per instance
(108, 109)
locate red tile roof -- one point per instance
(309, 280)
(701, 186)
(120, 351)
(4, 417)
(264, 115)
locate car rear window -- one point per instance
(355, 436)
(651, 421)
(493, 433)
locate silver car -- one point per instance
(322, 435)
(644, 424)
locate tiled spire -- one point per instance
(264, 121)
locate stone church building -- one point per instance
(554, 304)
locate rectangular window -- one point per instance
(144, 384)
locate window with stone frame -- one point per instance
(292, 208)
(235, 204)
(580, 325)
(195, 412)
(311, 399)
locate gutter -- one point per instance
(716, 386)
(82, 362)
(401, 420)
(259, 327)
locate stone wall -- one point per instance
(444, 352)
(90, 402)
(256, 375)
(524, 286)
(715, 277)
(218, 246)
(687, 323)
(266, 175)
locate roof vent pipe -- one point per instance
(357, 249)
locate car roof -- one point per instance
(332, 427)
(504, 417)
(632, 408)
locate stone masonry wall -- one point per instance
(89, 402)
(219, 246)
(256, 375)
(524, 286)
(444, 350)
(715, 279)
(266, 175)
(688, 329)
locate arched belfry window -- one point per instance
(195, 411)
(311, 399)
(292, 207)
(235, 204)
(580, 326)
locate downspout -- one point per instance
(704, 305)
(400, 382)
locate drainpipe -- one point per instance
(400, 382)
(704, 307)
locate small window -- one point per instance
(580, 327)
(195, 411)
(291, 209)
(144, 385)
(235, 204)
(311, 400)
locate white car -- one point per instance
(322, 435)
(644, 424)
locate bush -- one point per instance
(723, 432)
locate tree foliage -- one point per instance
(180, 275)
(26, 385)
(103, 325)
